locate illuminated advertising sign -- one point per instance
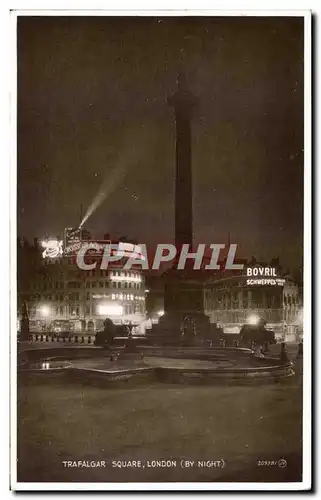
(98, 247)
(263, 276)
(90, 247)
(261, 271)
(110, 310)
(73, 248)
(72, 236)
(52, 248)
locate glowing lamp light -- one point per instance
(160, 313)
(253, 320)
(45, 311)
(110, 309)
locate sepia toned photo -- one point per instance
(160, 331)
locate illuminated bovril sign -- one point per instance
(261, 271)
(263, 276)
(52, 249)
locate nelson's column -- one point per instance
(183, 290)
(183, 103)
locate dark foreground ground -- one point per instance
(251, 428)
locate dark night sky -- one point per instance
(92, 109)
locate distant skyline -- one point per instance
(93, 117)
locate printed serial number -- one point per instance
(266, 462)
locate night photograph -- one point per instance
(160, 258)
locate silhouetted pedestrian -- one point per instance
(300, 349)
(283, 354)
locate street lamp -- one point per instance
(45, 311)
(253, 320)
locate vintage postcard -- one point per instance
(161, 233)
